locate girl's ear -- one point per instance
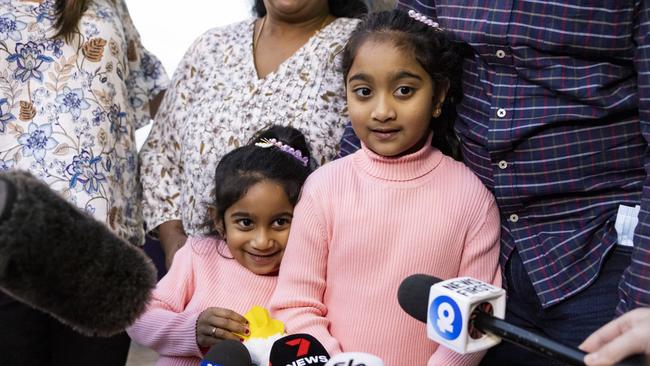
(217, 222)
(219, 228)
(441, 88)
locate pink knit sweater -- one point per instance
(198, 278)
(362, 225)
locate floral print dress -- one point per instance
(216, 103)
(68, 111)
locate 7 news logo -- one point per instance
(445, 317)
(302, 353)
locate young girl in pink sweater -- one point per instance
(215, 279)
(396, 207)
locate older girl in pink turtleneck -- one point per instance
(398, 206)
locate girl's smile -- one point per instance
(384, 134)
(263, 259)
(257, 227)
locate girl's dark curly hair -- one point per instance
(435, 53)
(248, 165)
(338, 8)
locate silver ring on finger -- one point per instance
(214, 332)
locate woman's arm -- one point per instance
(147, 79)
(172, 238)
(154, 104)
(161, 163)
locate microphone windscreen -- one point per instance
(413, 295)
(227, 353)
(355, 359)
(303, 349)
(58, 259)
(7, 198)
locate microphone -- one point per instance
(450, 304)
(227, 353)
(466, 315)
(57, 259)
(298, 349)
(355, 359)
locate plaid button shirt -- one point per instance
(555, 120)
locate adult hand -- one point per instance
(622, 337)
(215, 324)
(172, 238)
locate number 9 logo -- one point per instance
(445, 317)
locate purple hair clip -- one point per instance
(296, 154)
(424, 19)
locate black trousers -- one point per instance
(30, 337)
(569, 322)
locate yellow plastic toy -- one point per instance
(264, 331)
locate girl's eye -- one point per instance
(281, 223)
(245, 223)
(404, 91)
(362, 92)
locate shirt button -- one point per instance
(513, 218)
(501, 54)
(501, 112)
(503, 164)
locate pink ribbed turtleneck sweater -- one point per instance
(362, 225)
(199, 278)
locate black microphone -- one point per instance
(58, 259)
(227, 353)
(416, 294)
(298, 350)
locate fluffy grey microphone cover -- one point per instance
(60, 260)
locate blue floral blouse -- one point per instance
(68, 111)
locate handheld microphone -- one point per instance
(56, 258)
(450, 304)
(298, 350)
(227, 353)
(355, 359)
(460, 314)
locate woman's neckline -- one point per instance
(283, 64)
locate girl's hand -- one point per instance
(215, 324)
